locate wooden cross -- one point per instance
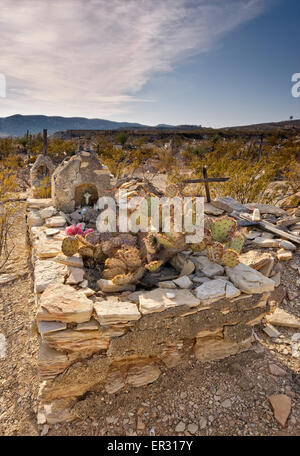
(206, 180)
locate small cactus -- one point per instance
(215, 252)
(230, 258)
(69, 246)
(154, 265)
(223, 229)
(236, 242)
(85, 251)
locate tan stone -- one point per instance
(282, 318)
(76, 276)
(115, 381)
(142, 374)
(56, 221)
(255, 258)
(51, 362)
(47, 272)
(109, 287)
(157, 301)
(64, 303)
(91, 325)
(284, 255)
(281, 405)
(77, 341)
(213, 348)
(48, 248)
(74, 261)
(111, 312)
(39, 203)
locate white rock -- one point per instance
(183, 282)
(249, 280)
(170, 295)
(256, 215)
(157, 301)
(207, 267)
(232, 291)
(47, 272)
(271, 331)
(211, 291)
(54, 222)
(287, 245)
(111, 312)
(266, 242)
(47, 212)
(52, 231)
(2, 346)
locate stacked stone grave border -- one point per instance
(119, 341)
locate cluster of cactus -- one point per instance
(221, 240)
(125, 257)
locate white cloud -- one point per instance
(91, 57)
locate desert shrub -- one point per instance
(8, 213)
(44, 188)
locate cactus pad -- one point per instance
(230, 258)
(215, 252)
(69, 246)
(223, 229)
(154, 265)
(236, 243)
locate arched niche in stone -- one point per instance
(77, 176)
(40, 172)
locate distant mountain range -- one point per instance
(17, 125)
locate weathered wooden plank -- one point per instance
(267, 226)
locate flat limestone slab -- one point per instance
(248, 280)
(282, 318)
(74, 261)
(47, 272)
(46, 327)
(111, 311)
(157, 300)
(64, 303)
(56, 221)
(39, 203)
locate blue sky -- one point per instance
(210, 62)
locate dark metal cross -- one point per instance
(206, 180)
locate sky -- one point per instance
(203, 62)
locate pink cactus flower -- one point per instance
(74, 229)
(90, 230)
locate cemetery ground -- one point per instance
(226, 397)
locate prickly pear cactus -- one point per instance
(69, 246)
(154, 265)
(223, 228)
(236, 242)
(215, 252)
(82, 240)
(230, 258)
(85, 251)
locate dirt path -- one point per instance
(18, 380)
(228, 397)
